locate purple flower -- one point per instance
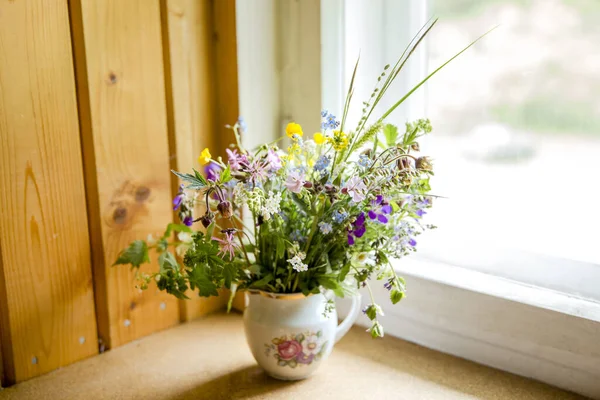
(212, 172)
(355, 187)
(178, 199)
(295, 181)
(236, 160)
(388, 285)
(304, 358)
(273, 160)
(358, 228)
(421, 205)
(188, 220)
(380, 209)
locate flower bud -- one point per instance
(403, 163)
(376, 330)
(308, 185)
(206, 220)
(225, 209)
(424, 163)
(329, 188)
(415, 146)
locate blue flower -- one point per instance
(329, 121)
(296, 236)
(339, 216)
(242, 124)
(322, 163)
(364, 161)
(325, 228)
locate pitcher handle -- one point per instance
(347, 323)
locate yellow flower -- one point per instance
(293, 129)
(319, 138)
(204, 157)
(339, 141)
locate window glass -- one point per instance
(517, 140)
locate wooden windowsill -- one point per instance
(209, 359)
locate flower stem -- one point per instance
(313, 229)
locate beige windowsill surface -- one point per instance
(209, 359)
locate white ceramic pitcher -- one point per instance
(290, 335)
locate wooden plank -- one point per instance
(118, 52)
(226, 70)
(198, 114)
(190, 77)
(46, 292)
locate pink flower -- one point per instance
(288, 350)
(295, 181)
(257, 171)
(235, 159)
(356, 188)
(228, 245)
(273, 160)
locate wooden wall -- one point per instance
(99, 99)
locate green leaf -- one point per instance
(331, 282)
(262, 282)
(210, 230)
(167, 261)
(194, 181)
(162, 245)
(226, 175)
(407, 95)
(198, 279)
(280, 247)
(391, 134)
(371, 312)
(396, 296)
(177, 228)
(200, 177)
(230, 274)
(299, 202)
(344, 271)
(349, 95)
(136, 254)
(232, 292)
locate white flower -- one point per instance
(150, 240)
(297, 263)
(295, 181)
(364, 258)
(184, 237)
(356, 188)
(271, 205)
(309, 146)
(310, 345)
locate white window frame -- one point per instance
(524, 329)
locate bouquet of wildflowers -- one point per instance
(326, 211)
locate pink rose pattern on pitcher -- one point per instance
(297, 349)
